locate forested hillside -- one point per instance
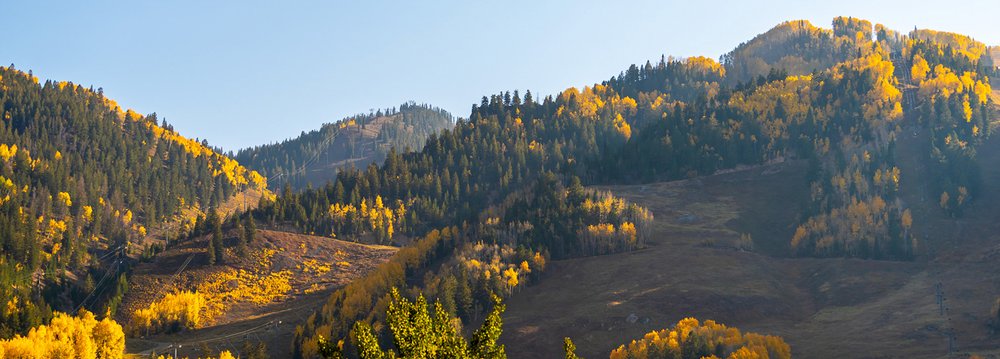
(479, 208)
(833, 97)
(81, 179)
(315, 157)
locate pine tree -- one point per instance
(211, 252)
(215, 243)
(250, 229)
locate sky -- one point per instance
(244, 73)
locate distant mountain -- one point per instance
(315, 157)
(80, 180)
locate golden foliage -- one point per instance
(180, 309)
(192, 309)
(668, 342)
(618, 225)
(378, 218)
(795, 94)
(67, 336)
(220, 165)
(314, 267)
(920, 69)
(483, 260)
(225, 354)
(598, 103)
(959, 44)
(7, 152)
(880, 102)
(63, 197)
(705, 65)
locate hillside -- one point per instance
(285, 277)
(82, 183)
(829, 192)
(692, 267)
(316, 157)
(829, 103)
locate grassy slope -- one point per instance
(151, 281)
(824, 308)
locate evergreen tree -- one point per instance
(250, 229)
(215, 242)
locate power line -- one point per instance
(107, 274)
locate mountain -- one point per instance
(825, 186)
(82, 183)
(316, 157)
(507, 180)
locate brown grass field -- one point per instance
(824, 308)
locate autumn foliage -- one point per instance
(691, 339)
(66, 336)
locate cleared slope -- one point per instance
(824, 308)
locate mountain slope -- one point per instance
(81, 179)
(841, 113)
(316, 157)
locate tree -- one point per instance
(82, 336)
(691, 339)
(250, 229)
(419, 333)
(485, 341)
(330, 350)
(211, 253)
(215, 242)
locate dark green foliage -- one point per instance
(215, 245)
(249, 230)
(211, 251)
(110, 164)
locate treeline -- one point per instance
(405, 129)
(503, 147)
(79, 178)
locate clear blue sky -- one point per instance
(242, 73)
